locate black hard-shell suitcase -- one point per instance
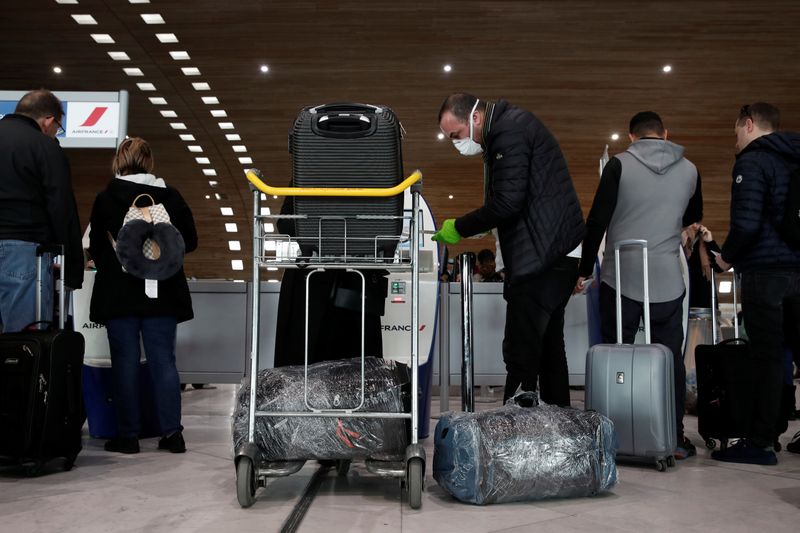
(724, 384)
(347, 146)
(41, 413)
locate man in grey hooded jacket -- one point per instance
(650, 192)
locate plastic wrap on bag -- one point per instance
(515, 454)
(331, 385)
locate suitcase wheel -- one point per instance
(671, 462)
(711, 444)
(661, 465)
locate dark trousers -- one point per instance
(765, 294)
(158, 336)
(533, 346)
(666, 327)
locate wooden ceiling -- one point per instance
(584, 67)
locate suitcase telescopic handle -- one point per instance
(714, 300)
(255, 177)
(643, 244)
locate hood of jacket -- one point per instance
(656, 154)
(785, 144)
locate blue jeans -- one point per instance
(18, 285)
(158, 336)
(765, 295)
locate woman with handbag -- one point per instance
(144, 297)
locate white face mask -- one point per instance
(468, 146)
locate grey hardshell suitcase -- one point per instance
(634, 386)
(347, 145)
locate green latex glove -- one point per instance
(448, 234)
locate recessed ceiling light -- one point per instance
(202, 160)
(269, 227)
(152, 18)
(186, 137)
(196, 148)
(139, 1)
(208, 197)
(167, 37)
(226, 125)
(146, 86)
(237, 264)
(66, 1)
(246, 160)
(177, 125)
(614, 136)
(230, 227)
(201, 86)
(218, 113)
(265, 210)
(57, 70)
(264, 68)
(119, 56)
(239, 148)
(180, 55)
(447, 68)
(226, 211)
(168, 113)
(275, 197)
(158, 100)
(263, 196)
(213, 184)
(272, 280)
(84, 19)
(190, 71)
(133, 71)
(234, 246)
(210, 100)
(218, 196)
(450, 196)
(102, 38)
(667, 68)
(209, 172)
(233, 137)
(440, 136)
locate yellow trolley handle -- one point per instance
(253, 175)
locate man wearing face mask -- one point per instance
(531, 200)
(37, 206)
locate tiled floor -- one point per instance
(160, 492)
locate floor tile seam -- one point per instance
(534, 524)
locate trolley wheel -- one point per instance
(711, 444)
(342, 467)
(414, 475)
(245, 482)
(671, 461)
(661, 465)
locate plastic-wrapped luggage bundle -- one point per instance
(331, 385)
(515, 454)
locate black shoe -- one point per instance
(745, 452)
(174, 443)
(684, 449)
(122, 445)
(794, 446)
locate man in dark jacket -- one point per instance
(769, 267)
(650, 192)
(530, 199)
(37, 206)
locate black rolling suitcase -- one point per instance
(41, 413)
(347, 146)
(724, 384)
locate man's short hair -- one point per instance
(766, 116)
(40, 103)
(646, 123)
(485, 255)
(460, 105)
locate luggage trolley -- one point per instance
(251, 468)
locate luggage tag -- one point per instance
(151, 288)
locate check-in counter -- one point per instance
(488, 323)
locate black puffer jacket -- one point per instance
(530, 197)
(118, 294)
(758, 202)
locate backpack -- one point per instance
(789, 228)
(148, 246)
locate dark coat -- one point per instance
(37, 203)
(758, 202)
(118, 294)
(530, 197)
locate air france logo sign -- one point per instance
(93, 119)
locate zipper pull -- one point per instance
(42, 383)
